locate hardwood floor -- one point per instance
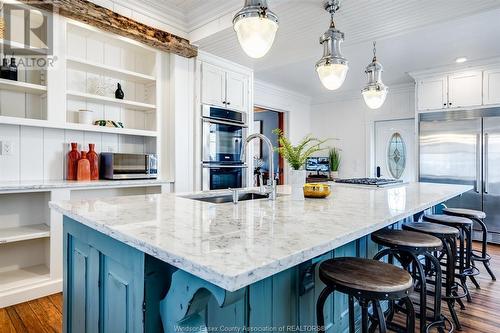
(44, 315)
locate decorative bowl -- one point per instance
(316, 190)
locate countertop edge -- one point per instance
(246, 278)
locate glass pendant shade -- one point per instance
(332, 76)
(375, 91)
(256, 27)
(374, 98)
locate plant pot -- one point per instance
(297, 181)
(334, 174)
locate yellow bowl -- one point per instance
(316, 190)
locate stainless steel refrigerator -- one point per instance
(463, 147)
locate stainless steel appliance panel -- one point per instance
(223, 176)
(115, 166)
(491, 180)
(450, 152)
(222, 141)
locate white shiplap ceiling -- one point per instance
(411, 35)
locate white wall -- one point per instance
(348, 119)
(40, 153)
(297, 106)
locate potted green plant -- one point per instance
(334, 161)
(296, 157)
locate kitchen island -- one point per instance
(140, 263)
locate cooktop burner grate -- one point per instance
(368, 181)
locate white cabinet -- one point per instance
(236, 91)
(465, 89)
(213, 85)
(491, 86)
(224, 88)
(432, 93)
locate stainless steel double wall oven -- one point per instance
(223, 135)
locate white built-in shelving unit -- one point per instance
(22, 87)
(39, 118)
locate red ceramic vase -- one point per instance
(83, 173)
(72, 162)
(93, 158)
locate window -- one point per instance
(396, 155)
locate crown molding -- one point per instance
(478, 64)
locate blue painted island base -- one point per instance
(112, 287)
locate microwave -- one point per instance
(116, 166)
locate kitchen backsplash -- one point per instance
(39, 153)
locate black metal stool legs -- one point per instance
(484, 257)
(320, 306)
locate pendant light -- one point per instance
(332, 67)
(375, 91)
(256, 27)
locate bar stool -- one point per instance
(406, 247)
(465, 267)
(448, 236)
(369, 281)
(477, 216)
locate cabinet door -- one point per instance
(432, 93)
(237, 91)
(122, 298)
(82, 287)
(491, 86)
(465, 89)
(213, 85)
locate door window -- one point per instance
(396, 155)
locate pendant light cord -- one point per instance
(374, 51)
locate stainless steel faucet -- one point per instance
(271, 183)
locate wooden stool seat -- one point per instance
(470, 213)
(454, 221)
(478, 217)
(406, 239)
(369, 282)
(434, 229)
(365, 275)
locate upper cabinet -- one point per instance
(432, 93)
(224, 88)
(213, 85)
(236, 91)
(450, 91)
(476, 87)
(491, 86)
(465, 89)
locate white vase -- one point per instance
(334, 174)
(85, 117)
(297, 181)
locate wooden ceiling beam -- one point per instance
(107, 20)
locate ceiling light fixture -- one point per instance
(256, 27)
(375, 91)
(332, 67)
(459, 60)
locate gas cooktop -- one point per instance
(369, 181)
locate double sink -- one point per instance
(225, 198)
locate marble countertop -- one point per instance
(233, 246)
(39, 185)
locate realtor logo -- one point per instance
(26, 30)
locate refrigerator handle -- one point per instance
(478, 188)
(486, 189)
